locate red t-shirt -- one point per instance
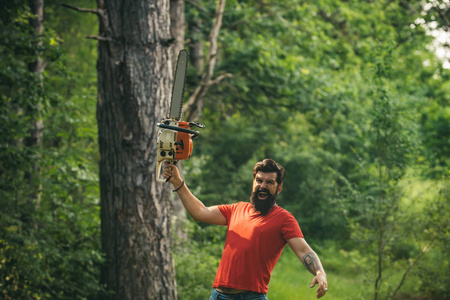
(253, 245)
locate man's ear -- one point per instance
(280, 188)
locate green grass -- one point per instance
(346, 274)
(291, 281)
(351, 274)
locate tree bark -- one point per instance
(196, 45)
(177, 26)
(34, 139)
(37, 67)
(135, 76)
(177, 29)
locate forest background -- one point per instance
(349, 96)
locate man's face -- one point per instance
(265, 191)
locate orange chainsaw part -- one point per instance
(184, 143)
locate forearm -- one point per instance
(312, 262)
(307, 256)
(192, 205)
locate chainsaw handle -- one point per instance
(180, 129)
(158, 169)
(158, 172)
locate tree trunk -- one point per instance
(196, 45)
(177, 28)
(193, 107)
(37, 66)
(34, 139)
(135, 76)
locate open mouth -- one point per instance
(262, 195)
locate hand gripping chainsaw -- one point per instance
(175, 137)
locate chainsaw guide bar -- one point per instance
(176, 105)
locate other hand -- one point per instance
(320, 279)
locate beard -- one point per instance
(263, 206)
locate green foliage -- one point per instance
(434, 270)
(435, 277)
(20, 94)
(436, 135)
(197, 258)
(348, 275)
(58, 261)
(49, 239)
(348, 98)
(346, 95)
(291, 281)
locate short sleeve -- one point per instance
(227, 210)
(290, 228)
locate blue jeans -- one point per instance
(216, 295)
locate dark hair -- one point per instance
(270, 166)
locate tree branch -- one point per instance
(87, 10)
(99, 38)
(219, 79)
(100, 12)
(198, 6)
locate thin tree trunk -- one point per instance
(379, 262)
(34, 139)
(135, 76)
(194, 105)
(177, 28)
(196, 46)
(37, 66)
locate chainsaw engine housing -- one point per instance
(174, 142)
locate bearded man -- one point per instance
(257, 232)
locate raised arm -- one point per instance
(312, 262)
(194, 207)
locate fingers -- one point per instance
(170, 171)
(314, 281)
(321, 291)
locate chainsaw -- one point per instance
(174, 136)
